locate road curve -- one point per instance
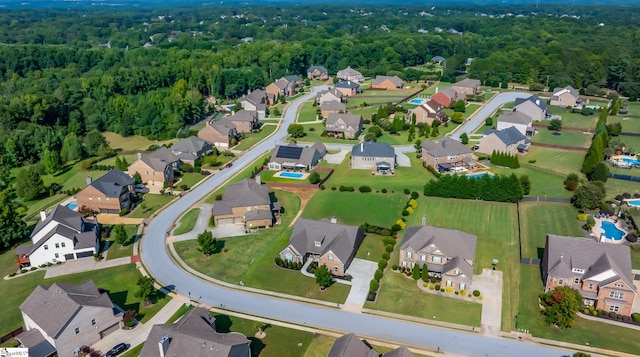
(158, 262)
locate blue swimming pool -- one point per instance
(293, 175)
(631, 161)
(475, 176)
(635, 203)
(611, 231)
(72, 205)
(417, 101)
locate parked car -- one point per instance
(116, 350)
(228, 165)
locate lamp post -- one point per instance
(189, 303)
(517, 318)
(494, 263)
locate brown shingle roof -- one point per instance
(159, 159)
(351, 346)
(244, 193)
(445, 147)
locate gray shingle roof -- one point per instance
(243, 115)
(223, 126)
(559, 91)
(453, 94)
(243, 193)
(437, 59)
(445, 147)
(399, 352)
(36, 343)
(350, 346)
(508, 136)
(194, 335)
(293, 78)
(112, 183)
(62, 215)
(347, 84)
(333, 105)
(190, 144)
(321, 69)
(515, 118)
(451, 242)
(307, 156)
(533, 99)
(468, 83)
(350, 72)
(159, 159)
(352, 120)
(53, 307)
(373, 149)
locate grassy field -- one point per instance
(307, 112)
(561, 162)
(117, 250)
(35, 206)
(187, 222)
(630, 121)
(575, 120)
(190, 179)
(539, 219)
(543, 183)
(568, 138)
(631, 142)
(596, 334)
(254, 138)
(132, 143)
(250, 259)
(371, 248)
(400, 294)
(438, 86)
(152, 203)
(120, 283)
(131, 158)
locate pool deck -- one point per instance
(598, 233)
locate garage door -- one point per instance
(84, 254)
(237, 220)
(69, 256)
(222, 221)
(109, 330)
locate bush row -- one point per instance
(288, 264)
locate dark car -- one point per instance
(228, 165)
(116, 350)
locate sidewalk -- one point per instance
(82, 265)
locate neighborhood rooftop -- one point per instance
(445, 147)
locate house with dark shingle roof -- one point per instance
(518, 120)
(387, 83)
(565, 97)
(328, 95)
(194, 335)
(332, 107)
(317, 72)
(60, 235)
(156, 169)
(245, 121)
(448, 253)
(246, 202)
(294, 157)
(508, 140)
(258, 101)
(350, 74)
(428, 112)
(111, 193)
(68, 316)
(348, 88)
(349, 125)
(373, 156)
(601, 272)
(446, 155)
(533, 106)
(437, 59)
(191, 149)
(326, 242)
(285, 86)
(467, 86)
(221, 133)
(350, 345)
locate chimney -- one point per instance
(163, 345)
(139, 156)
(43, 215)
(334, 220)
(436, 90)
(258, 181)
(89, 180)
(362, 147)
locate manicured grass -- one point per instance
(635, 259)
(187, 222)
(152, 202)
(561, 162)
(596, 334)
(438, 86)
(568, 138)
(615, 187)
(178, 314)
(543, 183)
(250, 259)
(575, 120)
(241, 175)
(190, 179)
(35, 206)
(254, 138)
(400, 294)
(116, 250)
(307, 112)
(631, 142)
(120, 283)
(134, 352)
(630, 121)
(539, 219)
(132, 143)
(371, 248)
(131, 158)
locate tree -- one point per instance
(418, 145)
(120, 234)
(416, 272)
(94, 143)
(323, 276)
(555, 125)
(464, 138)
(571, 182)
(29, 184)
(560, 306)
(526, 184)
(51, 160)
(489, 121)
(314, 177)
(589, 195)
(137, 178)
(600, 172)
(457, 117)
(425, 272)
(207, 244)
(13, 229)
(145, 288)
(296, 130)
(459, 106)
(71, 148)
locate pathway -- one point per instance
(82, 265)
(489, 283)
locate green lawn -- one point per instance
(241, 175)
(254, 138)
(134, 352)
(35, 206)
(178, 314)
(120, 283)
(438, 86)
(313, 135)
(615, 187)
(132, 143)
(307, 112)
(632, 142)
(400, 295)
(630, 121)
(567, 138)
(371, 248)
(635, 257)
(539, 219)
(561, 162)
(187, 222)
(117, 250)
(131, 158)
(596, 334)
(251, 259)
(152, 203)
(575, 120)
(190, 179)
(543, 183)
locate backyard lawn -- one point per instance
(307, 112)
(187, 222)
(117, 250)
(132, 143)
(131, 158)
(567, 138)
(543, 183)
(190, 179)
(630, 121)
(561, 162)
(254, 138)
(539, 219)
(150, 204)
(371, 248)
(575, 120)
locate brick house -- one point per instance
(191, 149)
(428, 112)
(258, 101)
(332, 107)
(317, 72)
(111, 193)
(447, 96)
(285, 86)
(467, 86)
(156, 169)
(508, 140)
(329, 95)
(447, 155)
(533, 106)
(350, 74)
(338, 124)
(373, 156)
(565, 97)
(348, 88)
(220, 133)
(246, 202)
(245, 121)
(387, 83)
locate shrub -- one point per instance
(437, 286)
(123, 212)
(12, 274)
(23, 271)
(385, 232)
(364, 189)
(415, 195)
(582, 217)
(385, 255)
(33, 268)
(463, 292)
(431, 287)
(322, 187)
(424, 285)
(377, 275)
(405, 213)
(401, 224)
(636, 317)
(441, 290)
(476, 293)
(374, 285)
(406, 191)
(382, 264)
(409, 210)
(384, 190)
(395, 267)
(455, 292)
(532, 161)
(432, 280)
(448, 289)
(333, 188)
(412, 203)
(314, 177)
(346, 189)
(388, 248)
(49, 264)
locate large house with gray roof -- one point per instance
(191, 149)
(518, 120)
(257, 101)
(467, 86)
(601, 272)
(60, 235)
(533, 106)
(294, 157)
(329, 95)
(245, 121)
(508, 140)
(339, 124)
(67, 317)
(447, 155)
(448, 254)
(317, 72)
(565, 97)
(373, 156)
(350, 74)
(246, 203)
(156, 169)
(326, 242)
(110, 193)
(350, 345)
(221, 133)
(348, 88)
(194, 335)
(332, 107)
(387, 83)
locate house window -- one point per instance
(46, 247)
(77, 330)
(335, 269)
(616, 295)
(590, 286)
(614, 308)
(317, 243)
(57, 245)
(463, 286)
(576, 280)
(423, 257)
(559, 281)
(449, 283)
(331, 258)
(107, 198)
(90, 198)
(57, 255)
(62, 244)
(288, 256)
(437, 259)
(409, 255)
(93, 322)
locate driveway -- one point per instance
(489, 283)
(202, 223)
(83, 264)
(362, 272)
(402, 159)
(228, 230)
(337, 158)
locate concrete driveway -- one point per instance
(402, 159)
(489, 283)
(337, 158)
(362, 272)
(228, 230)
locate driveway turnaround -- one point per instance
(336, 158)
(160, 265)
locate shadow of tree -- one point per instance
(257, 345)
(223, 323)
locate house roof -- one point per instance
(347, 84)
(333, 91)
(243, 115)
(393, 79)
(568, 89)
(257, 96)
(450, 242)
(243, 193)
(195, 335)
(303, 155)
(352, 120)
(468, 83)
(399, 352)
(333, 105)
(159, 159)
(293, 78)
(437, 59)
(453, 94)
(54, 307)
(508, 136)
(350, 346)
(112, 182)
(36, 343)
(190, 144)
(349, 72)
(373, 149)
(62, 215)
(515, 117)
(223, 126)
(338, 238)
(445, 147)
(594, 258)
(431, 106)
(533, 99)
(321, 69)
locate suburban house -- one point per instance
(351, 346)
(373, 156)
(349, 125)
(221, 133)
(437, 59)
(332, 107)
(69, 316)
(257, 101)
(245, 202)
(399, 352)
(293, 157)
(508, 140)
(428, 112)
(191, 149)
(194, 335)
(61, 234)
(565, 97)
(111, 193)
(467, 86)
(285, 86)
(245, 121)
(533, 106)
(329, 95)
(348, 88)
(601, 272)
(317, 72)
(447, 155)
(387, 83)
(448, 253)
(519, 120)
(326, 242)
(447, 96)
(350, 74)
(157, 168)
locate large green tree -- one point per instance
(120, 234)
(12, 227)
(29, 184)
(207, 244)
(146, 289)
(323, 276)
(589, 196)
(295, 130)
(72, 149)
(560, 306)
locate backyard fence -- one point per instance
(11, 335)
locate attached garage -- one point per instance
(69, 256)
(109, 330)
(221, 221)
(84, 254)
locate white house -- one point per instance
(60, 235)
(518, 120)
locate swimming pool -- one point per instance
(72, 205)
(293, 175)
(417, 101)
(635, 203)
(478, 175)
(631, 161)
(611, 231)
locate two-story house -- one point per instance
(447, 253)
(294, 157)
(387, 83)
(350, 74)
(329, 95)
(601, 272)
(156, 169)
(447, 155)
(519, 120)
(533, 106)
(428, 112)
(508, 140)
(467, 86)
(111, 193)
(348, 88)
(191, 149)
(565, 97)
(285, 86)
(245, 121)
(373, 156)
(447, 96)
(332, 107)
(221, 133)
(246, 202)
(258, 101)
(349, 125)
(317, 72)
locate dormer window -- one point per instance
(577, 270)
(317, 243)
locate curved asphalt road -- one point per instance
(157, 260)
